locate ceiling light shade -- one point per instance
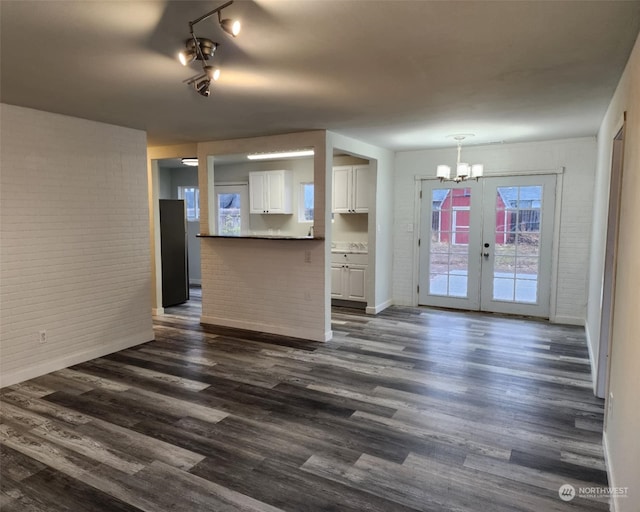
(231, 27)
(212, 72)
(477, 170)
(464, 171)
(191, 161)
(443, 172)
(281, 154)
(186, 56)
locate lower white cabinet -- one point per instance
(349, 276)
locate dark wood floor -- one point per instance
(414, 409)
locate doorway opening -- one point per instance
(179, 214)
(610, 265)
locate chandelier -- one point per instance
(464, 171)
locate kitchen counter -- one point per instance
(262, 237)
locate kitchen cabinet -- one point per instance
(351, 189)
(349, 276)
(271, 192)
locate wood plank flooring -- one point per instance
(414, 409)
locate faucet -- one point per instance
(310, 233)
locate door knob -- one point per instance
(485, 254)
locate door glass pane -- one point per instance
(529, 244)
(449, 248)
(229, 218)
(516, 262)
(503, 289)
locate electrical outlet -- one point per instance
(42, 336)
(307, 256)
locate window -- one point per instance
(191, 196)
(305, 203)
(229, 214)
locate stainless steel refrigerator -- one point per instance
(173, 250)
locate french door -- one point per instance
(486, 245)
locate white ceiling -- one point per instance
(398, 74)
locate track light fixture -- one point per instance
(203, 49)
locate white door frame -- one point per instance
(416, 229)
(609, 274)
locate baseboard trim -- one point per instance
(282, 330)
(591, 359)
(607, 464)
(197, 282)
(374, 310)
(10, 378)
(157, 311)
(568, 320)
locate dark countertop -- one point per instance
(262, 237)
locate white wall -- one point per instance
(577, 156)
(622, 428)
(74, 241)
(264, 285)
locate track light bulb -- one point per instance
(212, 72)
(231, 27)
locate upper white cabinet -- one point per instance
(351, 186)
(271, 192)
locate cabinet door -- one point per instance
(257, 192)
(275, 189)
(341, 197)
(337, 281)
(356, 282)
(361, 185)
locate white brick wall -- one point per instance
(577, 156)
(264, 285)
(74, 241)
